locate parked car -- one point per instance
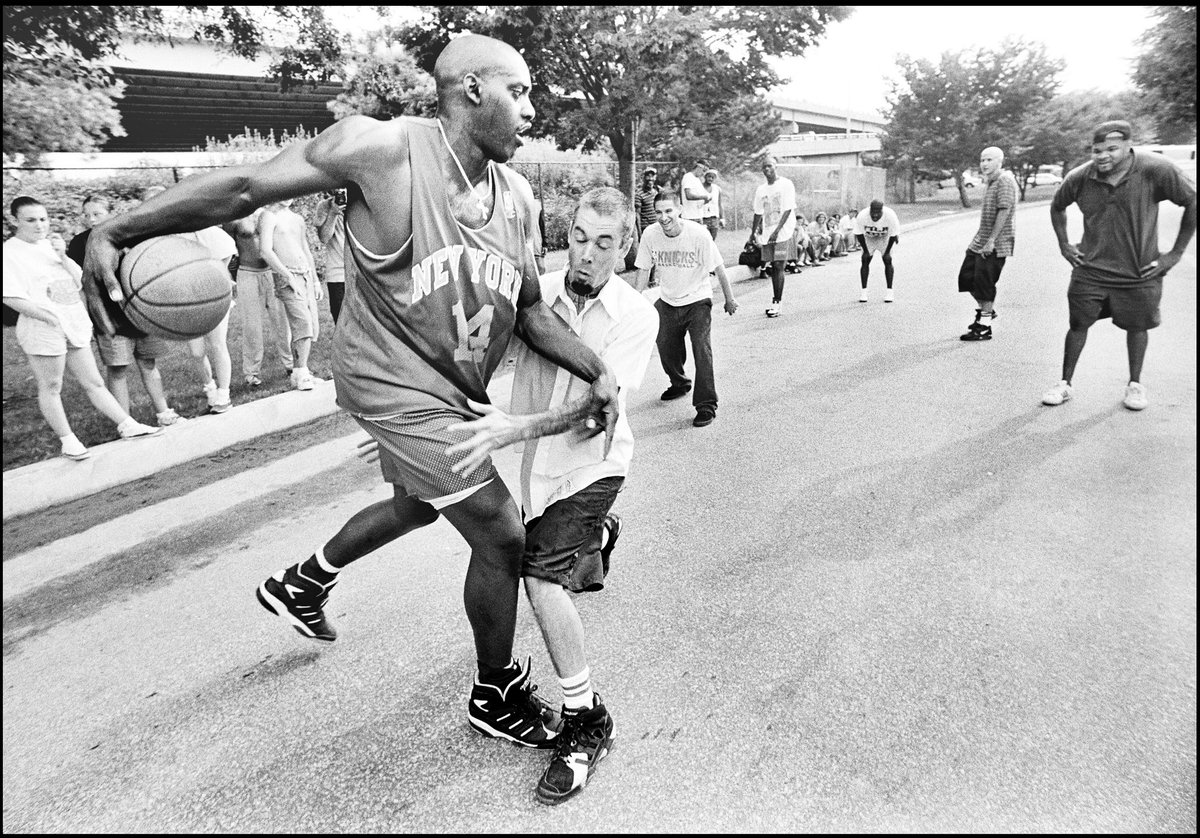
(969, 181)
(1043, 179)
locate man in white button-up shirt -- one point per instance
(569, 481)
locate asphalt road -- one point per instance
(886, 590)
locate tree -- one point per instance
(60, 94)
(1059, 130)
(1166, 72)
(668, 81)
(34, 121)
(387, 85)
(942, 115)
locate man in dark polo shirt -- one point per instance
(1117, 270)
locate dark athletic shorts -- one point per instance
(979, 274)
(412, 454)
(563, 545)
(1133, 308)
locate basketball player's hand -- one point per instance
(368, 450)
(100, 278)
(494, 429)
(320, 291)
(731, 306)
(1071, 253)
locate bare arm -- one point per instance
(320, 164)
(545, 333)
(1002, 215)
(1187, 229)
(327, 215)
(730, 303)
(643, 279)
(1058, 220)
(267, 224)
(29, 308)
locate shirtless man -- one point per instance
(443, 241)
(284, 246)
(256, 297)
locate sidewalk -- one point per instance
(52, 482)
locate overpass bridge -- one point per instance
(822, 134)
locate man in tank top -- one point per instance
(441, 239)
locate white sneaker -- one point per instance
(73, 449)
(170, 417)
(302, 380)
(1135, 396)
(775, 309)
(1058, 394)
(862, 298)
(889, 297)
(133, 429)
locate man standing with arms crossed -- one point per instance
(693, 193)
(443, 242)
(714, 209)
(1117, 270)
(992, 245)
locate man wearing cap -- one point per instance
(993, 242)
(714, 212)
(693, 193)
(1117, 270)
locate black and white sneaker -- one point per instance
(587, 737)
(300, 601)
(612, 523)
(512, 711)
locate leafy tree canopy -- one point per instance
(659, 81)
(1166, 72)
(942, 114)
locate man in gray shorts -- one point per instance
(1117, 270)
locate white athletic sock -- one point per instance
(323, 563)
(577, 690)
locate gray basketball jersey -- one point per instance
(426, 327)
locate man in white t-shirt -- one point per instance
(773, 227)
(694, 193)
(877, 228)
(684, 257)
(714, 212)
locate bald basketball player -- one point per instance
(443, 241)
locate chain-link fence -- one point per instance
(828, 188)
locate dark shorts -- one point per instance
(979, 274)
(563, 545)
(1133, 308)
(781, 251)
(412, 455)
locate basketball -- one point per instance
(174, 288)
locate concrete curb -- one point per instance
(51, 482)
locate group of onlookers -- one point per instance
(274, 276)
